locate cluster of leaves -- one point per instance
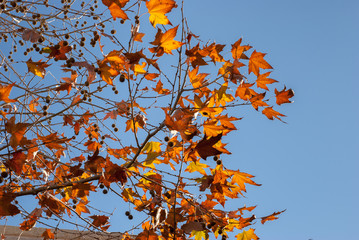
(167, 116)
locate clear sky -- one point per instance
(309, 166)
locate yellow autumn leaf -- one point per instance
(157, 10)
(138, 69)
(197, 167)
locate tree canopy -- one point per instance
(90, 103)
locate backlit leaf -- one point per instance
(283, 96)
(271, 217)
(37, 68)
(247, 235)
(271, 114)
(197, 167)
(5, 92)
(256, 61)
(165, 42)
(157, 10)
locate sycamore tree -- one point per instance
(90, 102)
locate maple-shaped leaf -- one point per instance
(59, 51)
(37, 68)
(30, 35)
(100, 221)
(165, 42)
(241, 178)
(180, 121)
(211, 129)
(17, 131)
(52, 141)
(213, 51)
(157, 10)
(107, 73)
(256, 61)
(6, 208)
(147, 235)
(159, 88)
(263, 80)
(51, 203)
(139, 121)
(197, 167)
(115, 7)
(195, 57)
(115, 173)
(271, 217)
(238, 50)
(5, 92)
(47, 234)
(16, 162)
(245, 92)
(199, 235)
(271, 114)
(31, 219)
(205, 147)
(247, 235)
(94, 162)
(197, 79)
(256, 101)
(283, 96)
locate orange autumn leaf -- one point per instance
(47, 234)
(5, 92)
(107, 73)
(100, 221)
(52, 141)
(241, 178)
(76, 100)
(33, 104)
(115, 7)
(271, 217)
(159, 88)
(165, 42)
(245, 92)
(271, 114)
(256, 61)
(31, 219)
(256, 101)
(37, 68)
(283, 96)
(157, 10)
(263, 80)
(247, 235)
(151, 76)
(147, 235)
(17, 131)
(16, 162)
(138, 37)
(6, 208)
(139, 121)
(197, 79)
(238, 50)
(197, 167)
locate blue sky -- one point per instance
(310, 165)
